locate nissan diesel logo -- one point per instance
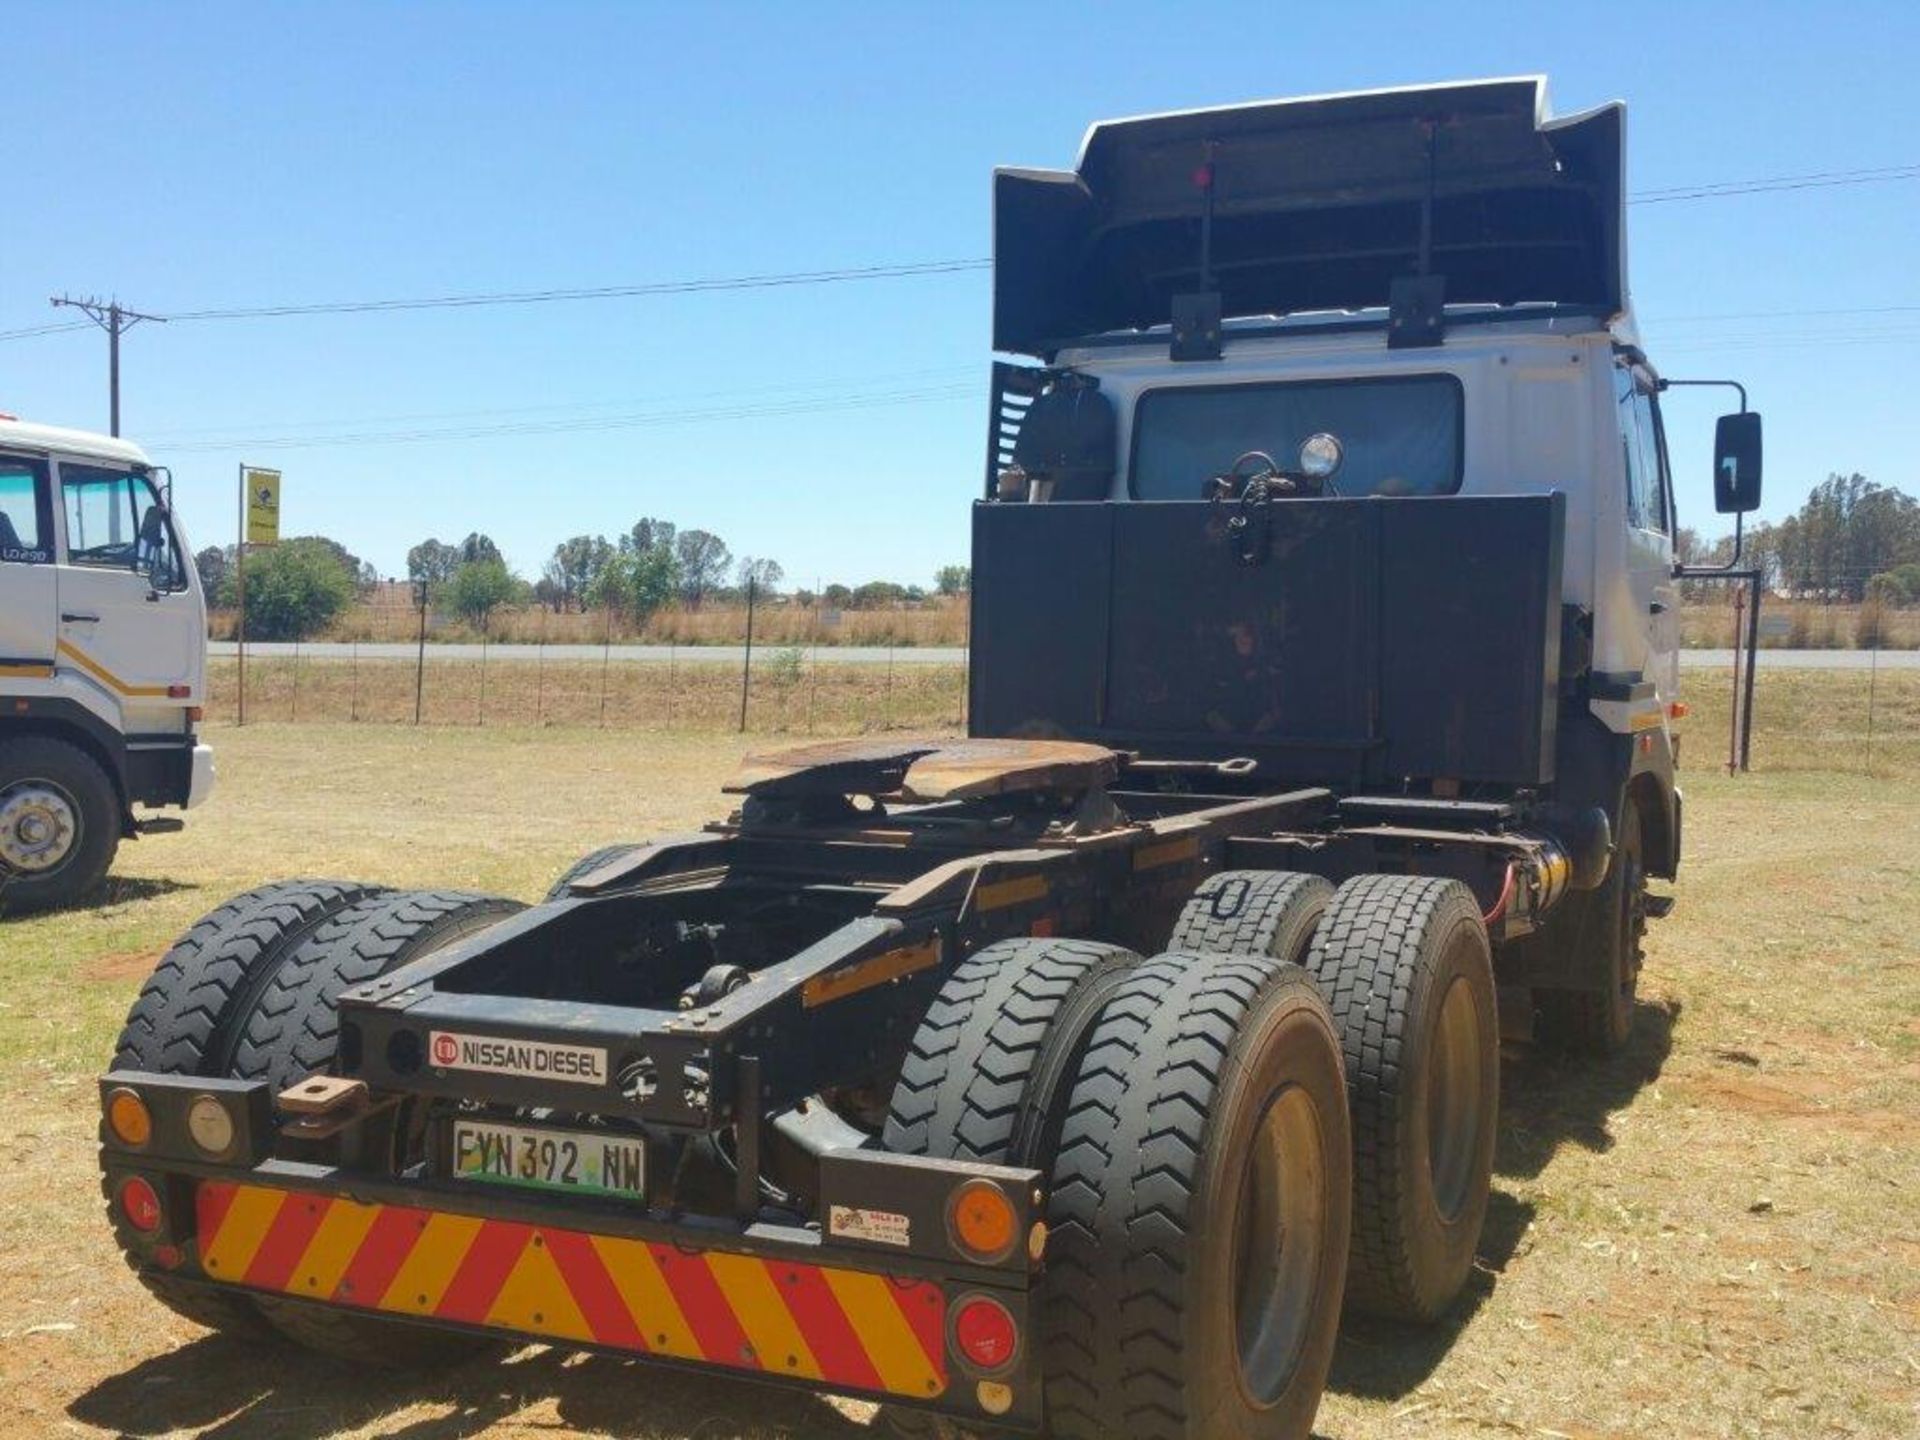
(529, 1059)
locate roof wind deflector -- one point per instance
(1317, 205)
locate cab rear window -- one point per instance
(1401, 435)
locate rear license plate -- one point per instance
(591, 1161)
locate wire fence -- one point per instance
(784, 689)
(1862, 717)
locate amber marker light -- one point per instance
(983, 1221)
(129, 1119)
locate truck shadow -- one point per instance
(1545, 1102)
(218, 1389)
(115, 890)
(1548, 1101)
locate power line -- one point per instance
(1819, 180)
(641, 420)
(45, 329)
(598, 292)
(203, 435)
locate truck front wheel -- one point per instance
(1609, 934)
(59, 823)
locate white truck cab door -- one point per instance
(27, 577)
(1649, 548)
(130, 618)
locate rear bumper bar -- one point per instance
(795, 1304)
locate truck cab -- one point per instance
(102, 660)
(1261, 323)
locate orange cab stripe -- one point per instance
(105, 676)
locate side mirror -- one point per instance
(1736, 463)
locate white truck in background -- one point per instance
(103, 660)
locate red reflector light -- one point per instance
(985, 1332)
(179, 692)
(140, 1205)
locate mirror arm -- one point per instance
(1665, 384)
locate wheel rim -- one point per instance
(39, 827)
(1454, 1099)
(1279, 1241)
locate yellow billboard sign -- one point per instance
(262, 489)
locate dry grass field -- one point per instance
(1718, 1235)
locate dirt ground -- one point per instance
(1719, 1235)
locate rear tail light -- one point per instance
(141, 1205)
(196, 713)
(179, 692)
(985, 1332)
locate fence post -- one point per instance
(420, 654)
(746, 664)
(540, 673)
(1873, 677)
(293, 700)
(606, 657)
(486, 622)
(353, 685)
(813, 678)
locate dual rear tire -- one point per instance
(1189, 1110)
(1403, 964)
(250, 993)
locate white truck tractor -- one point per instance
(103, 664)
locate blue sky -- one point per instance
(212, 155)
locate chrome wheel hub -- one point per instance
(38, 827)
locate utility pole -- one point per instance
(114, 318)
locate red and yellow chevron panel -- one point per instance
(841, 1328)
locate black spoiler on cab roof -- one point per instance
(1317, 205)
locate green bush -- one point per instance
(294, 590)
(480, 587)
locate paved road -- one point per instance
(930, 655)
